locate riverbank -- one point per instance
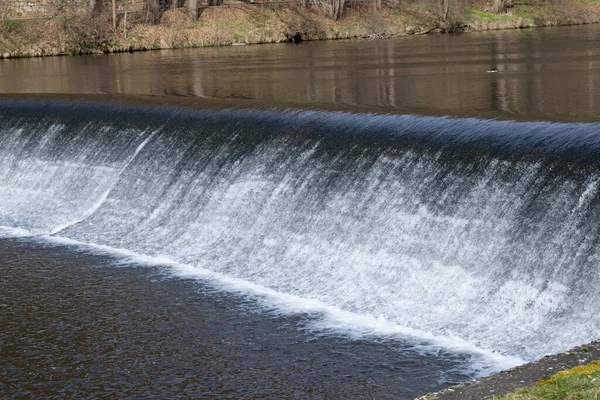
(507, 382)
(272, 24)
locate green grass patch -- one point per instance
(484, 15)
(579, 383)
(535, 9)
(13, 22)
(530, 11)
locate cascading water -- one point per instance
(470, 235)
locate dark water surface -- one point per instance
(75, 325)
(550, 73)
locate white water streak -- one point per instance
(106, 193)
(332, 319)
(472, 253)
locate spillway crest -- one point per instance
(473, 235)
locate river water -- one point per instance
(550, 73)
(275, 239)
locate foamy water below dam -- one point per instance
(332, 244)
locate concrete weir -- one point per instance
(508, 381)
(464, 238)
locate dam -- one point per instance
(465, 236)
(413, 250)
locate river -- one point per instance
(298, 220)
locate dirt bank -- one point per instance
(271, 24)
(508, 381)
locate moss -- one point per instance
(594, 366)
(13, 22)
(581, 382)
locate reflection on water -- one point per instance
(551, 71)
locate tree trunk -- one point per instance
(445, 10)
(499, 6)
(193, 10)
(114, 14)
(97, 7)
(154, 10)
(337, 8)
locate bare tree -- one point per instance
(97, 7)
(154, 10)
(114, 14)
(193, 9)
(445, 10)
(499, 6)
(336, 8)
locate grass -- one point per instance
(488, 16)
(530, 11)
(579, 383)
(13, 22)
(48, 36)
(22, 21)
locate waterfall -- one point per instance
(478, 236)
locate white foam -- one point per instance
(482, 255)
(325, 319)
(102, 199)
(7, 232)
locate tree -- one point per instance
(499, 6)
(445, 10)
(154, 10)
(114, 14)
(336, 8)
(193, 9)
(97, 7)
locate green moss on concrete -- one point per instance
(581, 382)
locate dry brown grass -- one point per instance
(250, 25)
